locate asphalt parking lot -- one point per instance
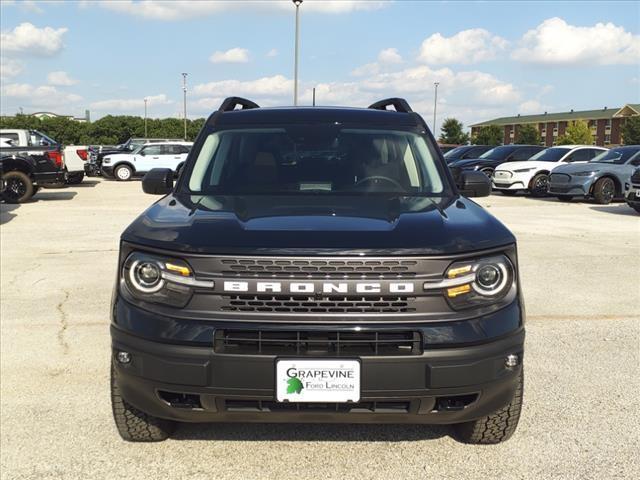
(579, 263)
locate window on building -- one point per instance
(607, 139)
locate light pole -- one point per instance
(297, 3)
(184, 91)
(145, 117)
(435, 107)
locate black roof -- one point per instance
(316, 115)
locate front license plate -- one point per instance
(317, 380)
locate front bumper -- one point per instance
(574, 187)
(505, 180)
(632, 195)
(394, 389)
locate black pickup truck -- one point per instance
(25, 169)
(317, 265)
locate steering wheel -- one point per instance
(379, 177)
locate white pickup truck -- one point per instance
(73, 156)
(123, 166)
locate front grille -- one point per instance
(260, 406)
(306, 304)
(635, 178)
(317, 343)
(559, 178)
(325, 268)
(502, 174)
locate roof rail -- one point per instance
(231, 103)
(400, 104)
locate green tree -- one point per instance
(527, 135)
(489, 135)
(631, 131)
(576, 133)
(451, 132)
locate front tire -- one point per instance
(497, 427)
(604, 190)
(488, 171)
(123, 173)
(134, 425)
(539, 185)
(19, 187)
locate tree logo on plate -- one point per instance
(294, 385)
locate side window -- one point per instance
(594, 153)
(582, 155)
(170, 149)
(520, 155)
(635, 160)
(152, 150)
(184, 148)
(11, 136)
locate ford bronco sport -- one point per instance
(317, 265)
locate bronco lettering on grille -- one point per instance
(319, 287)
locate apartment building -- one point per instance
(605, 124)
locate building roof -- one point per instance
(602, 113)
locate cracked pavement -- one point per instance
(579, 265)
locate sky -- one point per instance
(491, 59)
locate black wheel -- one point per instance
(134, 425)
(488, 171)
(497, 427)
(75, 178)
(123, 173)
(509, 193)
(604, 190)
(539, 184)
(18, 187)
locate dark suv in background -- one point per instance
(317, 265)
(465, 152)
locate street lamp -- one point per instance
(435, 106)
(145, 117)
(184, 91)
(297, 3)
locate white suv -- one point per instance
(123, 166)
(533, 175)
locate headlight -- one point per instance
(583, 174)
(522, 170)
(476, 283)
(156, 279)
(106, 160)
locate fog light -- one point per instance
(123, 357)
(511, 361)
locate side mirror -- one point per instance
(473, 184)
(158, 181)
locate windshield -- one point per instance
(497, 153)
(550, 155)
(617, 156)
(319, 159)
(455, 152)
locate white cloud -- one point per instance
(531, 107)
(272, 53)
(275, 86)
(386, 58)
(554, 41)
(389, 55)
(61, 79)
(39, 96)
(27, 38)
(130, 104)
(468, 46)
(181, 10)
(233, 55)
(10, 68)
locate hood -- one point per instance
(571, 168)
(511, 166)
(119, 156)
(471, 162)
(298, 224)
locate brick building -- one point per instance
(605, 124)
